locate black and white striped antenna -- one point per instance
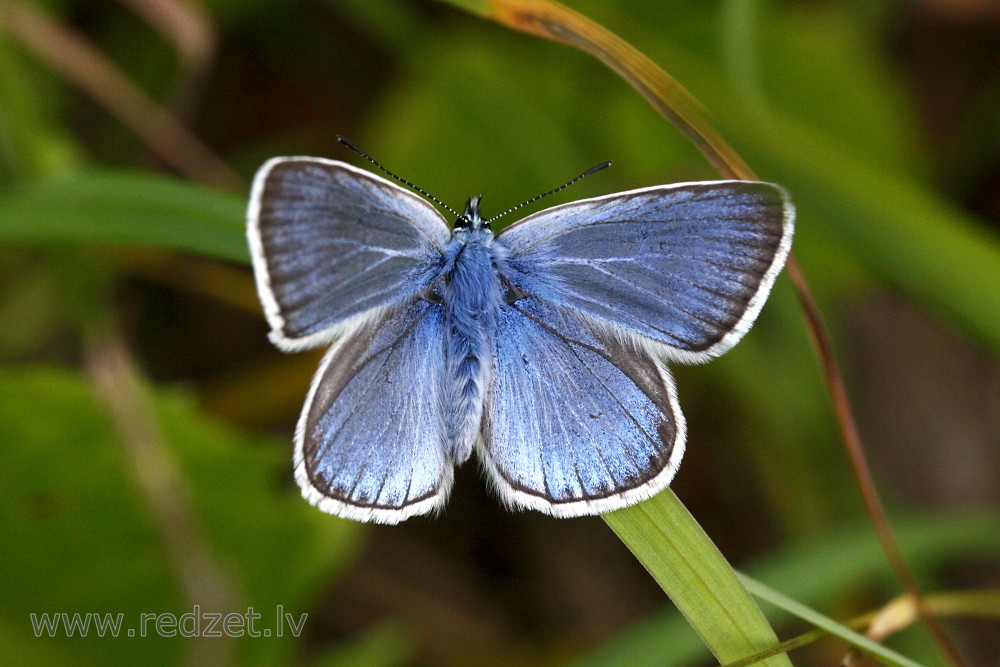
(357, 149)
(565, 185)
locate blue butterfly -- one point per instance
(542, 347)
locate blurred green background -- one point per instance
(145, 421)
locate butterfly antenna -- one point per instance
(565, 185)
(357, 149)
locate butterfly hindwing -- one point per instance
(575, 422)
(685, 266)
(370, 441)
(333, 244)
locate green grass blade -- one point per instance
(905, 233)
(851, 562)
(127, 208)
(885, 655)
(686, 563)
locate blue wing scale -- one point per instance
(370, 441)
(575, 423)
(332, 245)
(683, 267)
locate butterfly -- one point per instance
(541, 347)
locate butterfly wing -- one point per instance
(686, 267)
(370, 441)
(332, 245)
(576, 422)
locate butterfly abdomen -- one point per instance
(472, 297)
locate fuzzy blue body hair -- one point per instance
(472, 296)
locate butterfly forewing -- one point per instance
(332, 244)
(686, 266)
(370, 442)
(575, 422)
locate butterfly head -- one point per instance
(471, 219)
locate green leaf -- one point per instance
(676, 551)
(79, 535)
(127, 208)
